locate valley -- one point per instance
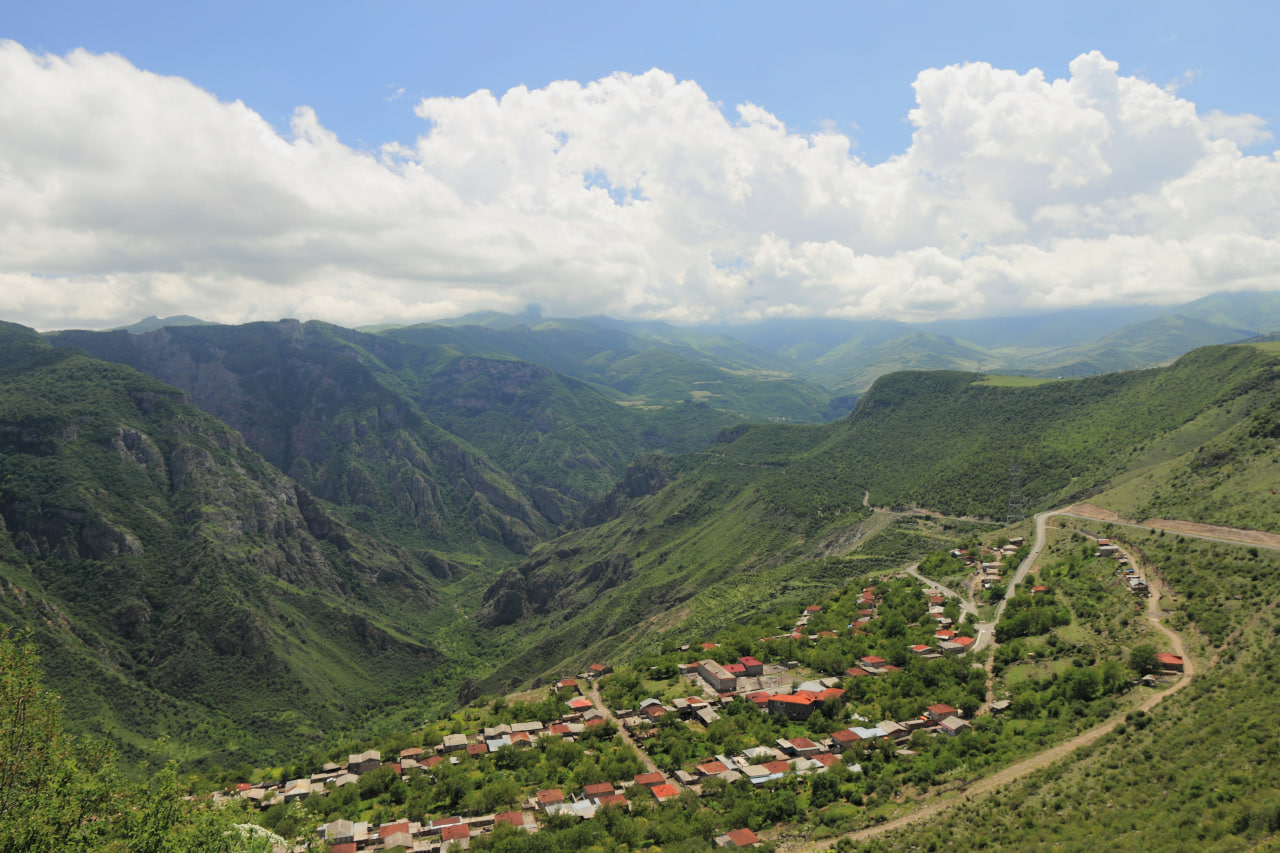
(258, 551)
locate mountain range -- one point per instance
(252, 538)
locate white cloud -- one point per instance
(1244, 129)
(125, 193)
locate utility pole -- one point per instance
(1015, 512)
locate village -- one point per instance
(707, 684)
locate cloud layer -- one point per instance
(124, 193)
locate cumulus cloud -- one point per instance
(125, 193)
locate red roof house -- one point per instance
(741, 838)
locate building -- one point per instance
(717, 677)
(364, 762)
(939, 712)
(754, 668)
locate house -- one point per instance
(1039, 589)
(364, 762)
(598, 790)
(475, 750)
(894, 730)
(297, 789)
(339, 831)
(856, 672)
(706, 716)
(1000, 706)
(453, 743)
(550, 797)
(843, 739)
(649, 780)
(580, 704)
(567, 682)
(598, 669)
(1168, 662)
(520, 820)
(753, 667)
(801, 746)
(792, 706)
(458, 833)
(712, 768)
(939, 712)
(664, 792)
(954, 726)
(872, 663)
(387, 830)
(738, 838)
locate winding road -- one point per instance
(938, 803)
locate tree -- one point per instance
(1142, 659)
(58, 792)
(45, 802)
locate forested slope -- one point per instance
(176, 583)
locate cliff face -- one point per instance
(332, 416)
(169, 572)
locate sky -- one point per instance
(402, 162)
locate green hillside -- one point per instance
(178, 584)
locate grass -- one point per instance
(1012, 381)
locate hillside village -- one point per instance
(708, 685)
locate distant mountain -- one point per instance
(1258, 312)
(150, 324)
(1139, 345)
(650, 366)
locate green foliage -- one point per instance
(59, 792)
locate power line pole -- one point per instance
(1015, 513)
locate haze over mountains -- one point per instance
(256, 536)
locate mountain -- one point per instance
(699, 540)
(150, 324)
(646, 369)
(1139, 345)
(177, 583)
(441, 445)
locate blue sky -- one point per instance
(390, 72)
(848, 63)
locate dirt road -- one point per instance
(939, 803)
(1195, 530)
(594, 696)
